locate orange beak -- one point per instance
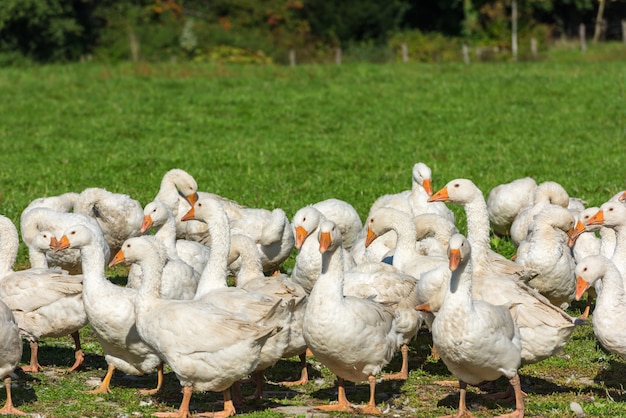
(455, 259)
(53, 242)
(424, 307)
(189, 216)
(581, 287)
(440, 196)
(192, 199)
(301, 235)
(597, 219)
(62, 244)
(119, 258)
(574, 233)
(370, 237)
(622, 198)
(428, 186)
(324, 241)
(146, 224)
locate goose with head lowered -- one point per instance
(207, 347)
(354, 337)
(476, 340)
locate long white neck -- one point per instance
(151, 276)
(9, 243)
(92, 257)
(478, 231)
(613, 294)
(251, 266)
(168, 194)
(460, 288)
(214, 274)
(166, 234)
(329, 285)
(619, 255)
(406, 243)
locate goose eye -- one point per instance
(304, 219)
(585, 269)
(610, 209)
(73, 233)
(457, 185)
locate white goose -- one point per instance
(544, 328)
(61, 203)
(38, 219)
(506, 200)
(609, 315)
(45, 303)
(476, 340)
(546, 193)
(354, 337)
(342, 213)
(111, 311)
(158, 215)
(118, 215)
(10, 355)
(207, 347)
(546, 251)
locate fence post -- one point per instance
(466, 57)
(624, 30)
(338, 56)
(405, 53)
(533, 48)
(292, 57)
(581, 34)
(514, 29)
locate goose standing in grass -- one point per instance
(544, 328)
(354, 337)
(118, 215)
(506, 200)
(208, 348)
(45, 303)
(158, 215)
(476, 340)
(609, 315)
(10, 355)
(111, 311)
(37, 219)
(546, 193)
(613, 215)
(546, 251)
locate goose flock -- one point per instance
(357, 295)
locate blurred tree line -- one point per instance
(265, 30)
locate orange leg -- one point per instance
(34, 363)
(8, 408)
(159, 382)
(519, 399)
(403, 374)
(183, 410)
(342, 404)
(79, 356)
(304, 374)
(229, 409)
(371, 408)
(104, 387)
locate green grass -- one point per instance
(286, 137)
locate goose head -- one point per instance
(459, 191)
(329, 237)
(185, 184)
(422, 175)
(305, 221)
(133, 250)
(155, 214)
(590, 270)
(458, 251)
(611, 214)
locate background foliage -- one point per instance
(166, 30)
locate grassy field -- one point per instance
(286, 137)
